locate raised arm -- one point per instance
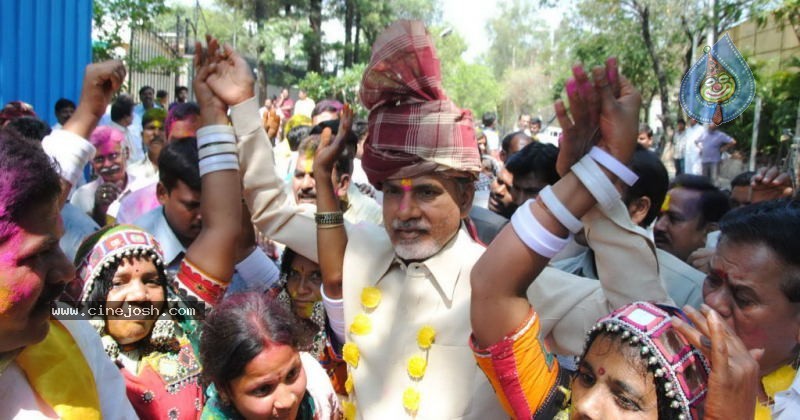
(69, 146)
(273, 211)
(214, 250)
(501, 277)
(330, 223)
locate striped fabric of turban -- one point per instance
(414, 128)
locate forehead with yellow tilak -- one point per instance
(406, 183)
(665, 204)
(308, 161)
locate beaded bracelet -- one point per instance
(534, 235)
(612, 164)
(557, 209)
(331, 218)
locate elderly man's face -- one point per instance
(744, 287)
(423, 213)
(33, 272)
(678, 229)
(303, 184)
(109, 162)
(524, 122)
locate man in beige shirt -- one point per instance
(420, 261)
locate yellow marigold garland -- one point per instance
(361, 325)
(350, 354)
(349, 409)
(425, 337)
(416, 366)
(370, 297)
(411, 399)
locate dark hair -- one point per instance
(161, 93)
(713, 203)
(286, 260)
(240, 327)
(344, 164)
(653, 182)
(488, 119)
(29, 180)
(681, 121)
(327, 105)
(144, 88)
(506, 143)
(121, 108)
(30, 127)
(774, 224)
(178, 161)
(644, 128)
(180, 112)
(536, 120)
(537, 158)
(64, 103)
(179, 89)
(743, 179)
(296, 135)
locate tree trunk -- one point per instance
(356, 42)
(313, 39)
(349, 13)
(644, 19)
(261, 15)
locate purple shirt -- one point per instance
(711, 142)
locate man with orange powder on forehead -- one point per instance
(402, 314)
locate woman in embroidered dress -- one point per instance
(299, 292)
(637, 362)
(250, 354)
(121, 268)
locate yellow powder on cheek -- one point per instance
(665, 204)
(5, 299)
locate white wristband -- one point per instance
(214, 149)
(534, 235)
(218, 163)
(334, 309)
(596, 181)
(612, 164)
(564, 216)
(258, 271)
(215, 134)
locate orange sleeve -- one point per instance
(522, 371)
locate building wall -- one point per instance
(770, 44)
(44, 47)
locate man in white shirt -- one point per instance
(304, 104)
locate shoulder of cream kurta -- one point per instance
(433, 293)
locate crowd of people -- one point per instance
(221, 259)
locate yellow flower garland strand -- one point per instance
(417, 364)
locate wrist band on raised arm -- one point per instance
(534, 235)
(612, 164)
(596, 181)
(214, 149)
(215, 134)
(228, 161)
(331, 218)
(561, 213)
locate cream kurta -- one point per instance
(437, 292)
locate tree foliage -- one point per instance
(110, 17)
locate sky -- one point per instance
(467, 17)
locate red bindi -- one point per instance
(601, 371)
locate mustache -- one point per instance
(51, 293)
(660, 237)
(412, 224)
(109, 170)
